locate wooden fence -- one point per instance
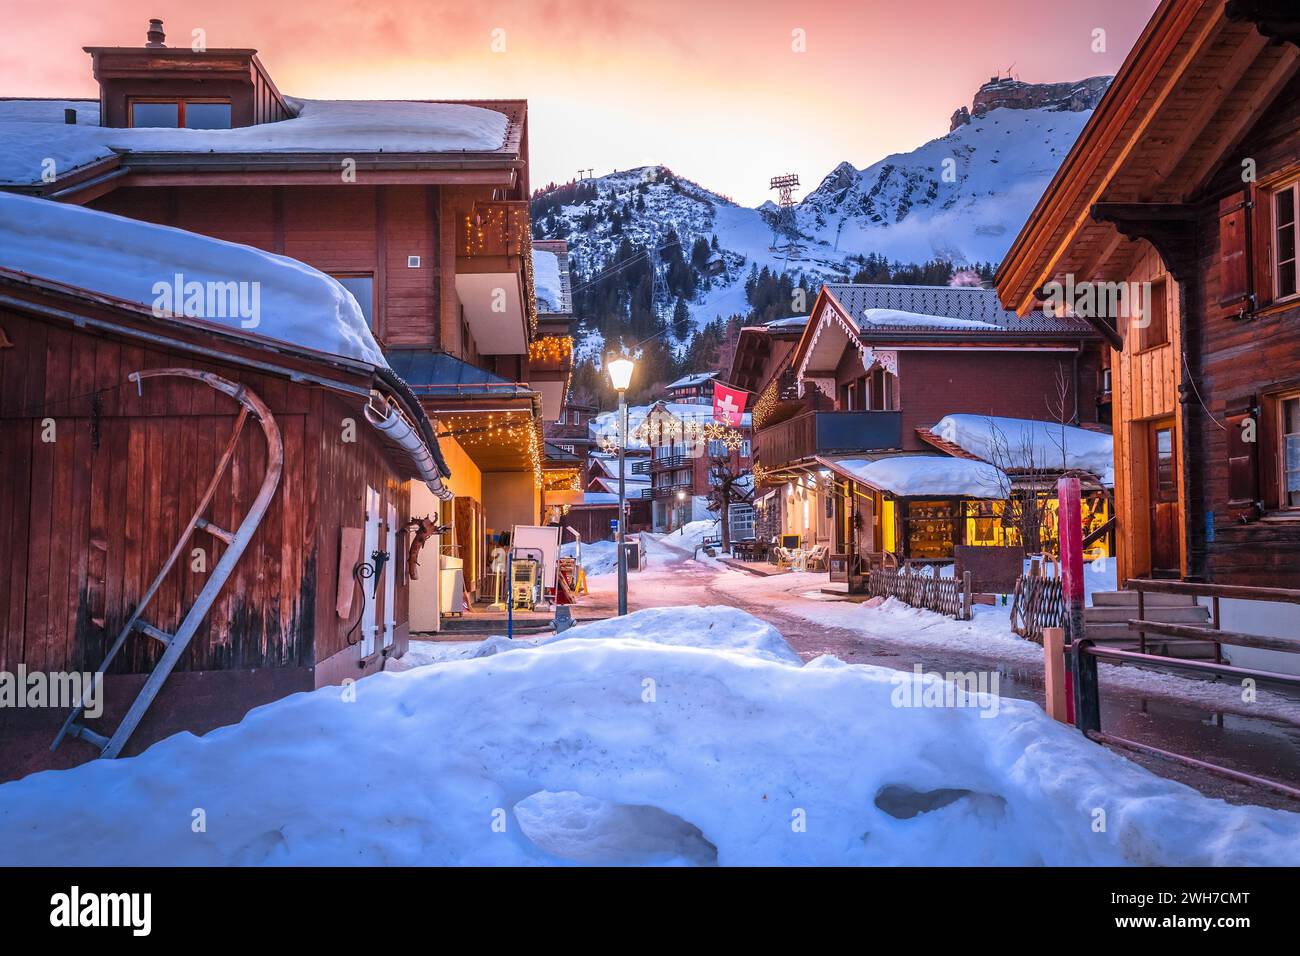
(1038, 602)
(924, 590)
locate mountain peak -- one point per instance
(1007, 93)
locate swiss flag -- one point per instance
(728, 404)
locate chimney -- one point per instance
(155, 36)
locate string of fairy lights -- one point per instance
(501, 429)
(670, 430)
(551, 349)
(488, 221)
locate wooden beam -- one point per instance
(1167, 226)
(1277, 20)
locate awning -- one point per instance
(910, 476)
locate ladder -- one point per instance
(236, 541)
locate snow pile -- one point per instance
(713, 628)
(617, 750)
(546, 281)
(32, 133)
(598, 557)
(1026, 443)
(905, 475)
(138, 261)
(893, 317)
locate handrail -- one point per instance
(1193, 588)
(1087, 702)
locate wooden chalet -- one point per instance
(1183, 190)
(133, 445)
(431, 234)
(871, 366)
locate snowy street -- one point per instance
(1190, 716)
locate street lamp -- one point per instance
(620, 376)
(681, 503)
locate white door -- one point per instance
(369, 546)
(390, 577)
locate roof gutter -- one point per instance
(388, 420)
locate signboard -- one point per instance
(544, 539)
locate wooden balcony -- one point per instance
(495, 228)
(827, 433)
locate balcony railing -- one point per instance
(672, 462)
(827, 433)
(641, 467)
(670, 491)
(495, 228)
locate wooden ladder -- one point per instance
(236, 541)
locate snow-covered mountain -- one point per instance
(961, 197)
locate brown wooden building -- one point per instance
(876, 363)
(1181, 193)
(113, 423)
(426, 224)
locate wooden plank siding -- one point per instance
(1144, 388)
(86, 522)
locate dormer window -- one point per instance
(180, 113)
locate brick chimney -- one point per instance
(155, 36)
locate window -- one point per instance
(362, 288)
(881, 391)
(1289, 456)
(1284, 240)
(181, 114)
(1155, 331)
(744, 448)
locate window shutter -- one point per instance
(1243, 423)
(1234, 251)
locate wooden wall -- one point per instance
(1144, 388)
(337, 229)
(88, 519)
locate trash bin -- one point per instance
(632, 548)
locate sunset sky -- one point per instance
(714, 90)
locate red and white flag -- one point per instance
(728, 404)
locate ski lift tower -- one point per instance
(784, 229)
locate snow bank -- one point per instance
(598, 557)
(133, 260)
(613, 749)
(1027, 443)
(33, 132)
(546, 281)
(928, 475)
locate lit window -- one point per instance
(1284, 240)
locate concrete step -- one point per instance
(1130, 598)
(1166, 614)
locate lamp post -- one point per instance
(681, 503)
(620, 376)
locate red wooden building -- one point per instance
(420, 208)
(129, 439)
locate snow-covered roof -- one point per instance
(632, 488)
(699, 378)
(1022, 443)
(789, 322)
(547, 282)
(33, 133)
(912, 475)
(879, 307)
(142, 263)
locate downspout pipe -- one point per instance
(393, 425)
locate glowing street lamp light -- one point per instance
(620, 376)
(681, 503)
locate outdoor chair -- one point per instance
(816, 559)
